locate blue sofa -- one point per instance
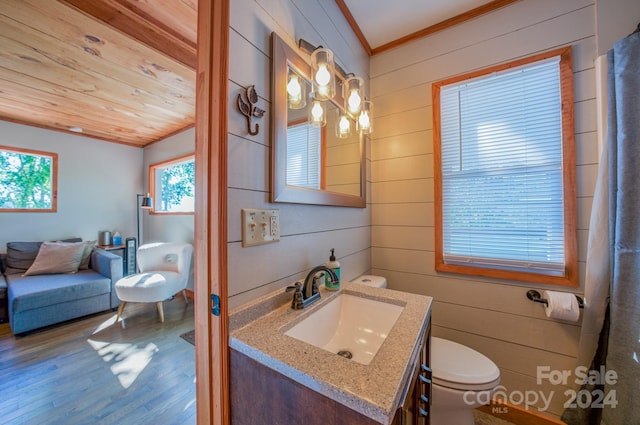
(4, 313)
(42, 300)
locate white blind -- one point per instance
(303, 155)
(502, 188)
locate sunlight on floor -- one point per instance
(104, 325)
(128, 360)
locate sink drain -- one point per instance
(345, 353)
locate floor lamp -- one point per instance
(147, 204)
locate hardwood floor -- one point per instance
(92, 371)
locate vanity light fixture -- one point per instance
(323, 70)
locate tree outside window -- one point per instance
(27, 180)
(173, 185)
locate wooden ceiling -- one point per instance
(123, 70)
(78, 63)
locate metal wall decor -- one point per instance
(249, 109)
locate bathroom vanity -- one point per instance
(284, 373)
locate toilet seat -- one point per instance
(459, 367)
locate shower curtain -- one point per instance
(611, 320)
(623, 352)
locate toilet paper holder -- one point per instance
(535, 296)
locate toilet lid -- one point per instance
(459, 367)
(370, 280)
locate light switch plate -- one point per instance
(260, 226)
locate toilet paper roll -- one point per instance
(562, 306)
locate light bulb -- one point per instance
(364, 120)
(354, 102)
(317, 112)
(323, 76)
(344, 124)
(324, 80)
(293, 87)
(354, 93)
(294, 90)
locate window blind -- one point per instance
(303, 155)
(502, 188)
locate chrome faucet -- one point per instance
(308, 293)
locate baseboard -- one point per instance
(518, 415)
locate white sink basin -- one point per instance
(349, 324)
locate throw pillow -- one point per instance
(20, 255)
(86, 255)
(57, 257)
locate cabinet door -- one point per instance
(417, 405)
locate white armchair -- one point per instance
(164, 271)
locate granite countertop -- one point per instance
(375, 390)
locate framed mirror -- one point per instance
(310, 164)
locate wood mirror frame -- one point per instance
(283, 58)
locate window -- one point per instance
(304, 155)
(28, 180)
(505, 171)
(173, 185)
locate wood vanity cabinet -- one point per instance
(262, 396)
(417, 404)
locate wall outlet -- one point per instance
(260, 226)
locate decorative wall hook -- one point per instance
(249, 108)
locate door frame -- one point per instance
(210, 227)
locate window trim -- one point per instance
(570, 277)
(152, 184)
(54, 180)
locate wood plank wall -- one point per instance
(307, 232)
(491, 316)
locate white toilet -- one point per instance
(462, 378)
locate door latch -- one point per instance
(215, 305)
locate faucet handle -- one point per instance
(297, 302)
(297, 287)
